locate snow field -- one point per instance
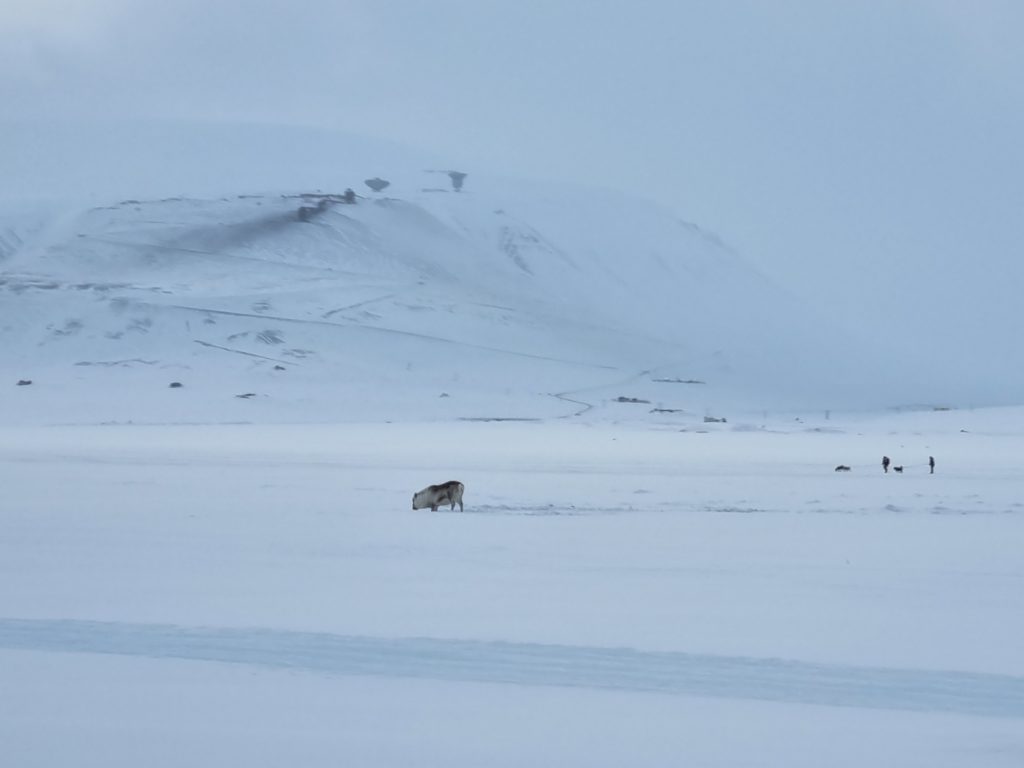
(580, 542)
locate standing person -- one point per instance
(931, 465)
(885, 464)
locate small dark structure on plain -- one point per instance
(457, 178)
(377, 184)
(842, 468)
(24, 382)
(175, 385)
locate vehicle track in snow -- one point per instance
(535, 664)
(586, 406)
(374, 329)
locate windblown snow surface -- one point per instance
(656, 565)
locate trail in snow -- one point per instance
(358, 304)
(564, 396)
(243, 352)
(622, 669)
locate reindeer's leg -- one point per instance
(461, 508)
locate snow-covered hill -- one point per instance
(508, 299)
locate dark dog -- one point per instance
(897, 469)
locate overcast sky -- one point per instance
(871, 147)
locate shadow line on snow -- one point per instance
(534, 664)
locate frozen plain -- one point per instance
(616, 592)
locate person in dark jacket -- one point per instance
(885, 463)
(931, 465)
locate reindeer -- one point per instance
(434, 495)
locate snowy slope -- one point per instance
(499, 298)
(510, 299)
